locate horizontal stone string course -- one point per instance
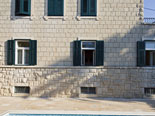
(66, 82)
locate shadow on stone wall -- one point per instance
(60, 82)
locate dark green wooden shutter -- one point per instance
(10, 52)
(141, 53)
(59, 6)
(84, 7)
(55, 7)
(99, 53)
(23, 7)
(33, 52)
(51, 7)
(92, 7)
(77, 53)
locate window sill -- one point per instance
(22, 17)
(143, 23)
(88, 17)
(87, 95)
(55, 17)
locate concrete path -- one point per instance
(76, 104)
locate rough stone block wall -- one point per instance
(66, 82)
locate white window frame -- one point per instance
(46, 17)
(14, 17)
(23, 52)
(94, 52)
(79, 17)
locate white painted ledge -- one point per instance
(54, 17)
(22, 17)
(88, 17)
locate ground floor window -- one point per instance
(146, 53)
(22, 52)
(88, 53)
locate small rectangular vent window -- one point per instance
(149, 90)
(88, 90)
(22, 89)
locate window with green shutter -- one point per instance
(88, 53)
(22, 52)
(55, 7)
(88, 7)
(22, 7)
(146, 53)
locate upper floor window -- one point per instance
(22, 52)
(88, 53)
(55, 7)
(146, 53)
(22, 7)
(88, 7)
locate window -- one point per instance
(146, 53)
(88, 7)
(22, 52)
(21, 89)
(88, 90)
(55, 7)
(149, 91)
(22, 7)
(88, 53)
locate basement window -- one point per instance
(88, 90)
(22, 89)
(149, 91)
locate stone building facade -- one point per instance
(117, 23)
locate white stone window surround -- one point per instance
(88, 39)
(20, 39)
(13, 17)
(79, 17)
(23, 50)
(46, 17)
(92, 48)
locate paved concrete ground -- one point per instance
(76, 104)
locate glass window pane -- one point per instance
(26, 57)
(88, 44)
(23, 44)
(19, 56)
(150, 46)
